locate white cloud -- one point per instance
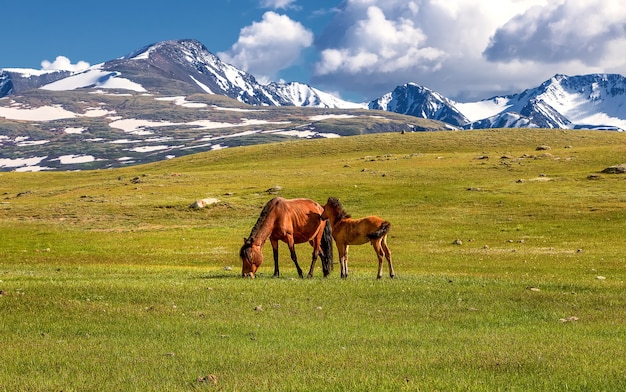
(266, 47)
(375, 43)
(467, 48)
(574, 30)
(62, 63)
(277, 4)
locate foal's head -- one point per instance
(251, 257)
(333, 208)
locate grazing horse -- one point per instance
(347, 231)
(293, 222)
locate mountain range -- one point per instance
(176, 97)
(596, 101)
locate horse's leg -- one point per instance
(376, 244)
(316, 251)
(275, 252)
(388, 256)
(292, 249)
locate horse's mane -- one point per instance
(264, 213)
(246, 248)
(336, 204)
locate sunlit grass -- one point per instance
(110, 282)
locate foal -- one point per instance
(347, 231)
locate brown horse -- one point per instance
(293, 222)
(347, 231)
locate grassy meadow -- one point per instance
(510, 270)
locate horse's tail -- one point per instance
(327, 249)
(382, 230)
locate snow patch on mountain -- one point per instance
(42, 113)
(323, 117)
(94, 77)
(19, 162)
(137, 127)
(299, 94)
(203, 86)
(602, 121)
(142, 54)
(182, 101)
(475, 111)
(72, 159)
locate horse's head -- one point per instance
(251, 257)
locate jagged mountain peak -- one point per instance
(419, 101)
(182, 52)
(145, 51)
(184, 67)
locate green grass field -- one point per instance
(108, 281)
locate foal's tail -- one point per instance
(382, 230)
(327, 249)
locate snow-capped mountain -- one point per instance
(176, 67)
(596, 101)
(418, 101)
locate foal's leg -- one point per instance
(275, 252)
(292, 249)
(343, 259)
(376, 244)
(388, 256)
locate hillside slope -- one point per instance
(79, 130)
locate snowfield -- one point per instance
(475, 111)
(94, 77)
(43, 113)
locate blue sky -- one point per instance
(356, 49)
